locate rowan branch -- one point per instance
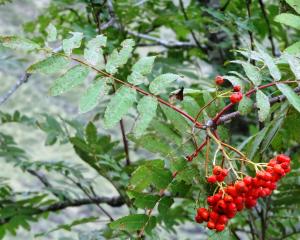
(229, 116)
(23, 79)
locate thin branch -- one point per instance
(23, 79)
(125, 142)
(162, 42)
(187, 19)
(14, 88)
(40, 177)
(235, 114)
(223, 9)
(100, 28)
(248, 94)
(248, 5)
(270, 32)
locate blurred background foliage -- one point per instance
(47, 148)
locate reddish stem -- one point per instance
(197, 151)
(189, 117)
(248, 94)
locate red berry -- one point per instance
(222, 219)
(212, 179)
(211, 225)
(217, 197)
(236, 97)
(238, 200)
(219, 80)
(287, 170)
(285, 165)
(224, 172)
(236, 88)
(198, 219)
(228, 199)
(217, 170)
(278, 169)
(221, 205)
(231, 191)
(205, 215)
(240, 186)
(220, 178)
(200, 210)
(231, 214)
(210, 200)
(283, 158)
(247, 180)
(231, 207)
(213, 216)
(220, 227)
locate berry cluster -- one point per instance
(236, 96)
(219, 175)
(242, 194)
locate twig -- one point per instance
(235, 114)
(162, 42)
(125, 142)
(19, 83)
(222, 9)
(248, 94)
(270, 33)
(187, 19)
(100, 28)
(248, 5)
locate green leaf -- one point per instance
(149, 142)
(291, 96)
(143, 200)
(147, 109)
(51, 33)
(245, 106)
(252, 73)
(18, 43)
(263, 105)
(269, 61)
(294, 4)
(165, 204)
(151, 173)
(162, 82)
(93, 52)
(117, 59)
(130, 223)
(72, 78)
(176, 119)
(258, 138)
(187, 174)
(136, 78)
(234, 81)
(289, 20)
(294, 64)
(49, 65)
(144, 65)
(73, 42)
(293, 49)
(90, 98)
(119, 105)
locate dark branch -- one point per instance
(113, 202)
(270, 33)
(19, 83)
(229, 116)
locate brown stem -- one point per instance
(125, 142)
